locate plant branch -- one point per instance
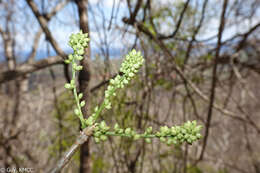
(82, 138)
(29, 68)
(44, 25)
(214, 79)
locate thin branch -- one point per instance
(44, 25)
(81, 139)
(196, 31)
(56, 9)
(29, 68)
(48, 17)
(36, 41)
(131, 19)
(214, 79)
(178, 23)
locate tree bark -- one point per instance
(84, 79)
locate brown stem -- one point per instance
(214, 79)
(81, 139)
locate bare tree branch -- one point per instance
(81, 139)
(32, 55)
(29, 68)
(44, 25)
(161, 37)
(133, 14)
(56, 9)
(214, 78)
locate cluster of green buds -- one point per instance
(78, 42)
(130, 66)
(188, 132)
(100, 131)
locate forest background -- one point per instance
(201, 63)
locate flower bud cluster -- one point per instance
(133, 61)
(78, 42)
(130, 66)
(189, 132)
(100, 132)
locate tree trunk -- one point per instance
(84, 78)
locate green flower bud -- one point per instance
(67, 86)
(76, 111)
(148, 140)
(194, 123)
(179, 136)
(116, 127)
(162, 139)
(173, 131)
(183, 131)
(102, 125)
(131, 74)
(81, 51)
(169, 142)
(127, 131)
(149, 130)
(193, 138)
(78, 68)
(174, 141)
(189, 141)
(74, 66)
(187, 136)
(80, 95)
(67, 61)
(157, 134)
(137, 136)
(198, 136)
(108, 106)
(96, 128)
(97, 134)
(103, 137)
(70, 57)
(97, 140)
(120, 131)
(90, 121)
(79, 58)
(82, 103)
(164, 130)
